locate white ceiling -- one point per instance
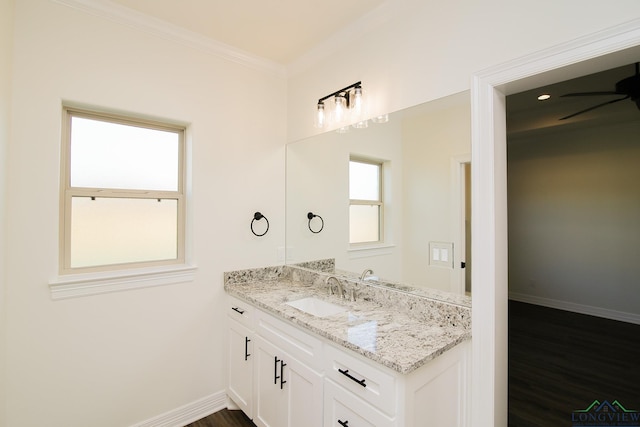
(279, 30)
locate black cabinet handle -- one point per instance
(343, 423)
(282, 381)
(277, 377)
(275, 370)
(236, 309)
(348, 375)
(246, 348)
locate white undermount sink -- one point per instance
(317, 307)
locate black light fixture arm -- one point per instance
(341, 91)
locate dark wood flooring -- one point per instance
(560, 362)
(224, 418)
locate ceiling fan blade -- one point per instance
(594, 107)
(592, 93)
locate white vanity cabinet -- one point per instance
(359, 392)
(287, 393)
(241, 355)
(283, 376)
(274, 370)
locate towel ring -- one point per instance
(310, 216)
(257, 217)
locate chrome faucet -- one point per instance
(364, 273)
(339, 286)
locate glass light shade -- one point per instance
(320, 120)
(357, 105)
(339, 110)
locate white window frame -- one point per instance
(379, 202)
(68, 192)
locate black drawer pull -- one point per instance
(246, 348)
(343, 423)
(236, 309)
(348, 375)
(282, 381)
(277, 377)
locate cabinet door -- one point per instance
(270, 396)
(287, 393)
(240, 388)
(304, 395)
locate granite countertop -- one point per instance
(402, 333)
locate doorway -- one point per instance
(461, 191)
(600, 51)
(466, 167)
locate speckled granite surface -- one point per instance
(325, 265)
(430, 293)
(399, 330)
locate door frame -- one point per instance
(489, 194)
(458, 204)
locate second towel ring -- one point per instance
(257, 217)
(310, 216)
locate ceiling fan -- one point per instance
(629, 88)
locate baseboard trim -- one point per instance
(188, 413)
(577, 308)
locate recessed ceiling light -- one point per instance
(544, 97)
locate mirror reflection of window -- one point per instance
(366, 202)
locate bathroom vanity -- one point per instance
(300, 356)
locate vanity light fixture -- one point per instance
(342, 108)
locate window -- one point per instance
(122, 193)
(366, 204)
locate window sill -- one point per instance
(370, 250)
(80, 285)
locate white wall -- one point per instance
(408, 51)
(6, 48)
(122, 358)
(573, 217)
(430, 141)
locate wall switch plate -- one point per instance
(441, 254)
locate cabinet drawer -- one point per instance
(297, 343)
(369, 382)
(342, 408)
(240, 311)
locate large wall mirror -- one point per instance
(423, 155)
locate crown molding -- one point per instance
(125, 16)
